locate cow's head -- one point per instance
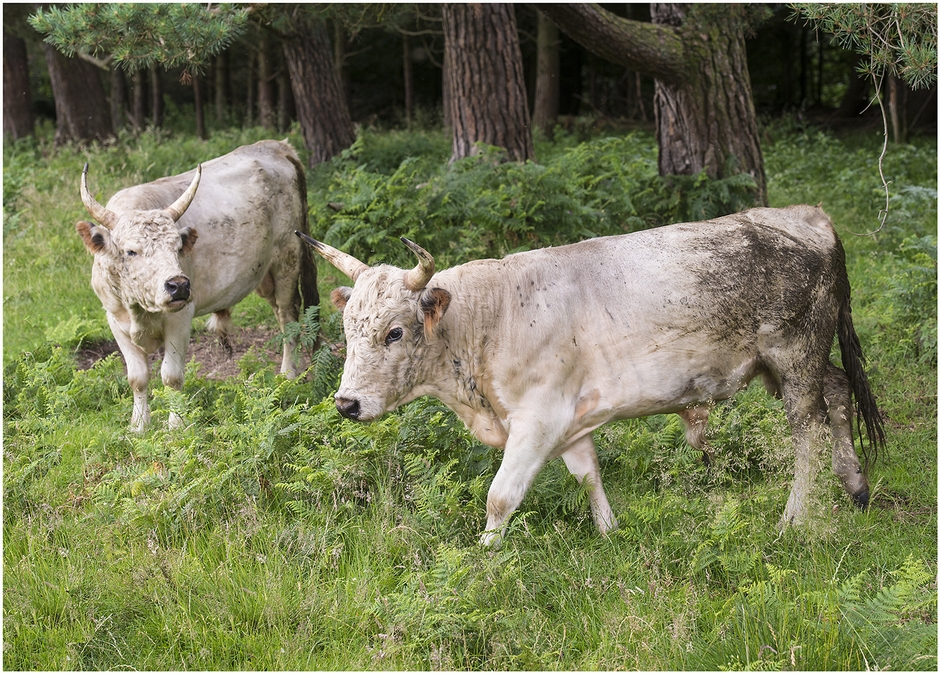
(138, 252)
(390, 317)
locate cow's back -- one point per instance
(762, 260)
(625, 309)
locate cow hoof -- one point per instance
(175, 421)
(861, 499)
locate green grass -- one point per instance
(272, 534)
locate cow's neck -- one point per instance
(456, 361)
(146, 329)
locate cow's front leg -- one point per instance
(529, 446)
(581, 459)
(173, 369)
(138, 373)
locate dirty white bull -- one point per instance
(196, 244)
(535, 351)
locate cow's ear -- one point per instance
(188, 236)
(340, 296)
(95, 237)
(434, 303)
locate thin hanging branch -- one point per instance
(883, 213)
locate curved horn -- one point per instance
(105, 217)
(345, 262)
(179, 206)
(418, 278)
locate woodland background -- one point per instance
(270, 533)
(389, 64)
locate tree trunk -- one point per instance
(706, 122)
(250, 93)
(156, 97)
(855, 99)
(407, 73)
(485, 81)
(705, 117)
(547, 77)
(447, 114)
(897, 109)
(199, 108)
(221, 89)
(285, 102)
(118, 97)
(321, 108)
(80, 104)
(139, 102)
(339, 61)
(265, 84)
(18, 121)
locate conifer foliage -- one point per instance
(138, 36)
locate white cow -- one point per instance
(165, 253)
(535, 351)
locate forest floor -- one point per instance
(204, 347)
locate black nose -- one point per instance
(348, 408)
(177, 288)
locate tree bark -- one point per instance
(321, 108)
(339, 61)
(485, 81)
(897, 109)
(265, 84)
(138, 102)
(18, 120)
(80, 104)
(407, 73)
(250, 91)
(199, 108)
(285, 101)
(705, 117)
(156, 97)
(118, 97)
(221, 88)
(547, 77)
(445, 96)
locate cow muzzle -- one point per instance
(177, 288)
(349, 408)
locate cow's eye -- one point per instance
(393, 336)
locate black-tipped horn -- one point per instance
(105, 217)
(178, 207)
(345, 262)
(418, 278)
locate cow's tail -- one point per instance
(866, 409)
(309, 295)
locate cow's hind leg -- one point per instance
(696, 418)
(802, 400)
(220, 324)
(581, 459)
(837, 394)
(279, 288)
